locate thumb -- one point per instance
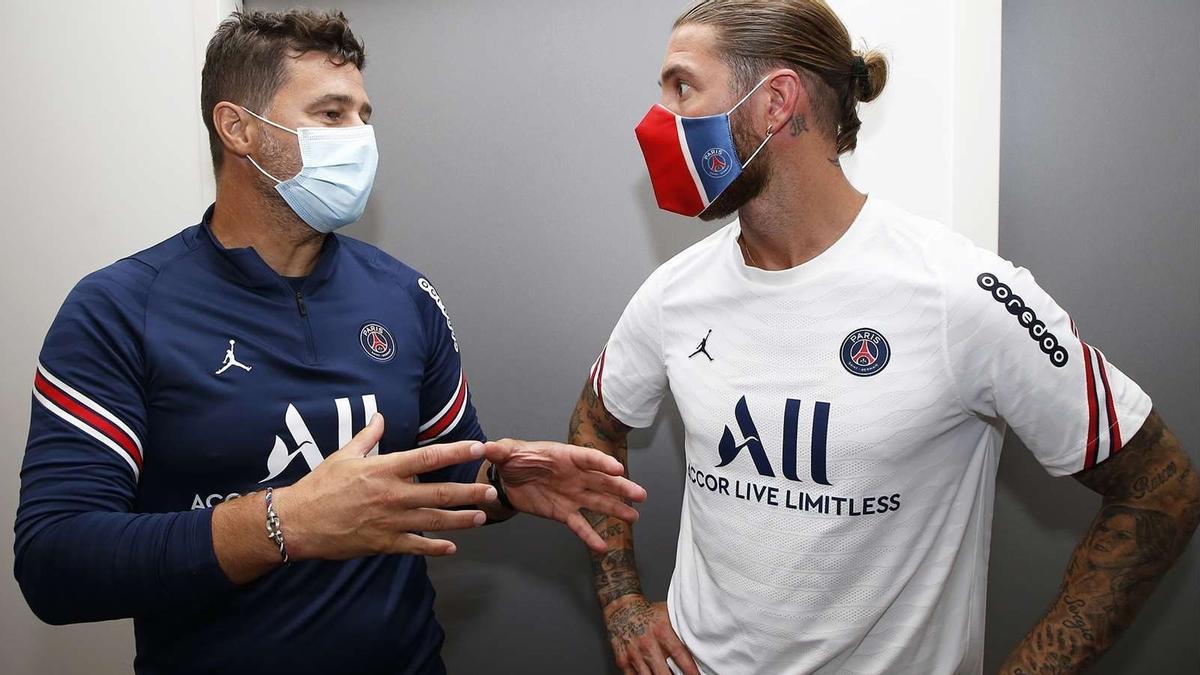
(499, 452)
(362, 442)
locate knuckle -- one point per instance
(435, 521)
(443, 496)
(426, 458)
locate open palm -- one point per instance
(556, 480)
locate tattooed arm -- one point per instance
(1151, 507)
(639, 631)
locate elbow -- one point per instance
(44, 585)
(37, 589)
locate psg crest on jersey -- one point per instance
(865, 352)
(376, 341)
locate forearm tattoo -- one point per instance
(614, 572)
(1151, 507)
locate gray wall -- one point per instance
(510, 175)
(1100, 198)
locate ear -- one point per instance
(233, 126)
(788, 98)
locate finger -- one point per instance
(621, 488)
(444, 495)
(432, 457)
(679, 653)
(656, 658)
(499, 452)
(640, 665)
(610, 506)
(415, 544)
(437, 520)
(363, 441)
(579, 525)
(590, 459)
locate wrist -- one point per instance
(289, 510)
(630, 598)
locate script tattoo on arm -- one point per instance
(1151, 508)
(614, 572)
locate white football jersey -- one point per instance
(843, 421)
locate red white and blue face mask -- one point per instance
(691, 160)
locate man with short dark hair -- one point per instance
(191, 460)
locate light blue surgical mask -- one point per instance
(335, 180)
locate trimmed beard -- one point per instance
(749, 184)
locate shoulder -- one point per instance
(123, 287)
(385, 269)
(692, 263)
(959, 264)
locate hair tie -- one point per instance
(859, 70)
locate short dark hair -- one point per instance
(244, 62)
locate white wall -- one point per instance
(104, 154)
(931, 143)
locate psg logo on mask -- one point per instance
(716, 162)
(865, 352)
(376, 341)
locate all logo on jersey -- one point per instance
(377, 341)
(302, 444)
(865, 352)
(305, 445)
(716, 162)
(729, 448)
(742, 446)
(1015, 304)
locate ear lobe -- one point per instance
(233, 127)
(788, 97)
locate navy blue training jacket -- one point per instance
(189, 374)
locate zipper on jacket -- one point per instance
(302, 307)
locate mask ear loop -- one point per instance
(277, 126)
(770, 129)
(770, 133)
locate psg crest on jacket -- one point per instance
(865, 352)
(376, 341)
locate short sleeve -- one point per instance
(1017, 356)
(630, 377)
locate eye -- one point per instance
(332, 115)
(684, 88)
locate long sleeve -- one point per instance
(447, 413)
(83, 553)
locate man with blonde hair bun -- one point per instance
(845, 372)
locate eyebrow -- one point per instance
(344, 100)
(674, 71)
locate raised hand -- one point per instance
(555, 481)
(352, 505)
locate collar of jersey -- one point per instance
(827, 260)
(246, 268)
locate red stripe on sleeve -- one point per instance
(1114, 426)
(444, 423)
(87, 415)
(1093, 429)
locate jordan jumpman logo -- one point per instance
(231, 360)
(703, 348)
